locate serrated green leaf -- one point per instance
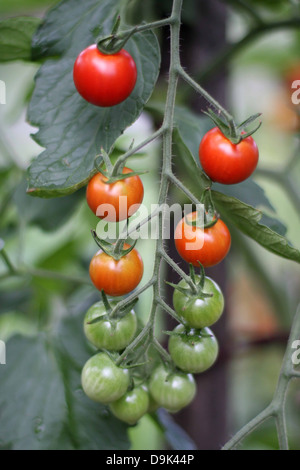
(183, 136)
(248, 191)
(192, 128)
(249, 221)
(15, 38)
(71, 130)
(30, 381)
(42, 404)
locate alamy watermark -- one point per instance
(296, 93)
(2, 92)
(2, 353)
(296, 354)
(144, 223)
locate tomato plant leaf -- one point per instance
(15, 299)
(58, 414)
(41, 395)
(71, 130)
(249, 221)
(15, 38)
(90, 424)
(186, 164)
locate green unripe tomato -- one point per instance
(110, 334)
(171, 390)
(197, 312)
(131, 406)
(102, 380)
(193, 350)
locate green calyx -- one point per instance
(233, 132)
(113, 173)
(112, 313)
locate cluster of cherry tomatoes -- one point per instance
(192, 346)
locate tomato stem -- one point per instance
(132, 150)
(179, 271)
(107, 162)
(169, 310)
(7, 261)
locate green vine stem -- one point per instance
(122, 159)
(179, 271)
(276, 409)
(167, 134)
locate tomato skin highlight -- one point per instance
(110, 334)
(98, 193)
(131, 406)
(196, 312)
(171, 390)
(102, 380)
(116, 277)
(225, 162)
(193, 351)
(216, 242)
(104, 79)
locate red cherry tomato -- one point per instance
(225, 162)
(98, 192)
(116, 277)
(208, 246)
(104, 79)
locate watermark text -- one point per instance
(296, 93)
(147, 224)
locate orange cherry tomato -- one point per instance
(98, 193)
(208, 246)
(116, 277)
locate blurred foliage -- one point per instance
(15, 38)
(53, 236)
